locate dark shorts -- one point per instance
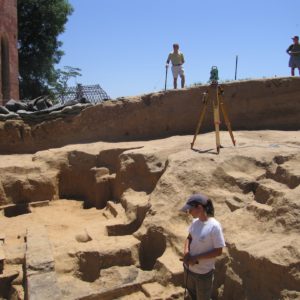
(199, 286)
(294, 62)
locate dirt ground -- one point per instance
(111, 215)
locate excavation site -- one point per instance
(90, 200)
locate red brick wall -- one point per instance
(9, 84)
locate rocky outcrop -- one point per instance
(252, 105)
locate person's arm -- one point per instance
(182, 58)
(168, 60)
(210, 254)
(288, 50)
(187, 244)
(186, 250)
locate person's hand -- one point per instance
(193, 260)
(190, 260)
(167, 66)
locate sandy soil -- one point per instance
(113, 223)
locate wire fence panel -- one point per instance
(92, 93)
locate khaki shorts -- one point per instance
(177, 70)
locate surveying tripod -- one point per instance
(214, 93)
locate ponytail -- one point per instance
(209, 208)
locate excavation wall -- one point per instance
(251, 105)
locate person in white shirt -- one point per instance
(177, 59)
(204, 243)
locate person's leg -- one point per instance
(190, 284)
(297, 64)
(175, 83)
(182, 81)
(292, 71)
(181, 73)
(175, 75)
(204, 287)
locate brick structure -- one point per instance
(9, 84)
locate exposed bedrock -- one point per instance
(251, 105)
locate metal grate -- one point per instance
(93, 93)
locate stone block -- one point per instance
(41, 278)
(43, 286)
(38, 257)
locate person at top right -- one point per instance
(294, 51)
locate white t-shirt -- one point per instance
(206, 236)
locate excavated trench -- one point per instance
(99, 181)
(90, 263)
(113, 180)
(153, 245)
(83, 179)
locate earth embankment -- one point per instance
(251, 105)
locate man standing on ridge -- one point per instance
(177, 59)
(294, 52)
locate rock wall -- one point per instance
(251, 105)
(9, 84)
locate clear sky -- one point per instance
(123, 44)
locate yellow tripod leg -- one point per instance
(204, 100)
(216, 108)
(226, 119)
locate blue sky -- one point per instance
(123, 44)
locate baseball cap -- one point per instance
(295, 37)
(194, 199)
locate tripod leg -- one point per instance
(217, 127)
(200, 119)
(217, 123)
(216, 109)
(227, 122)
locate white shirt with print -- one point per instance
(206, 236)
